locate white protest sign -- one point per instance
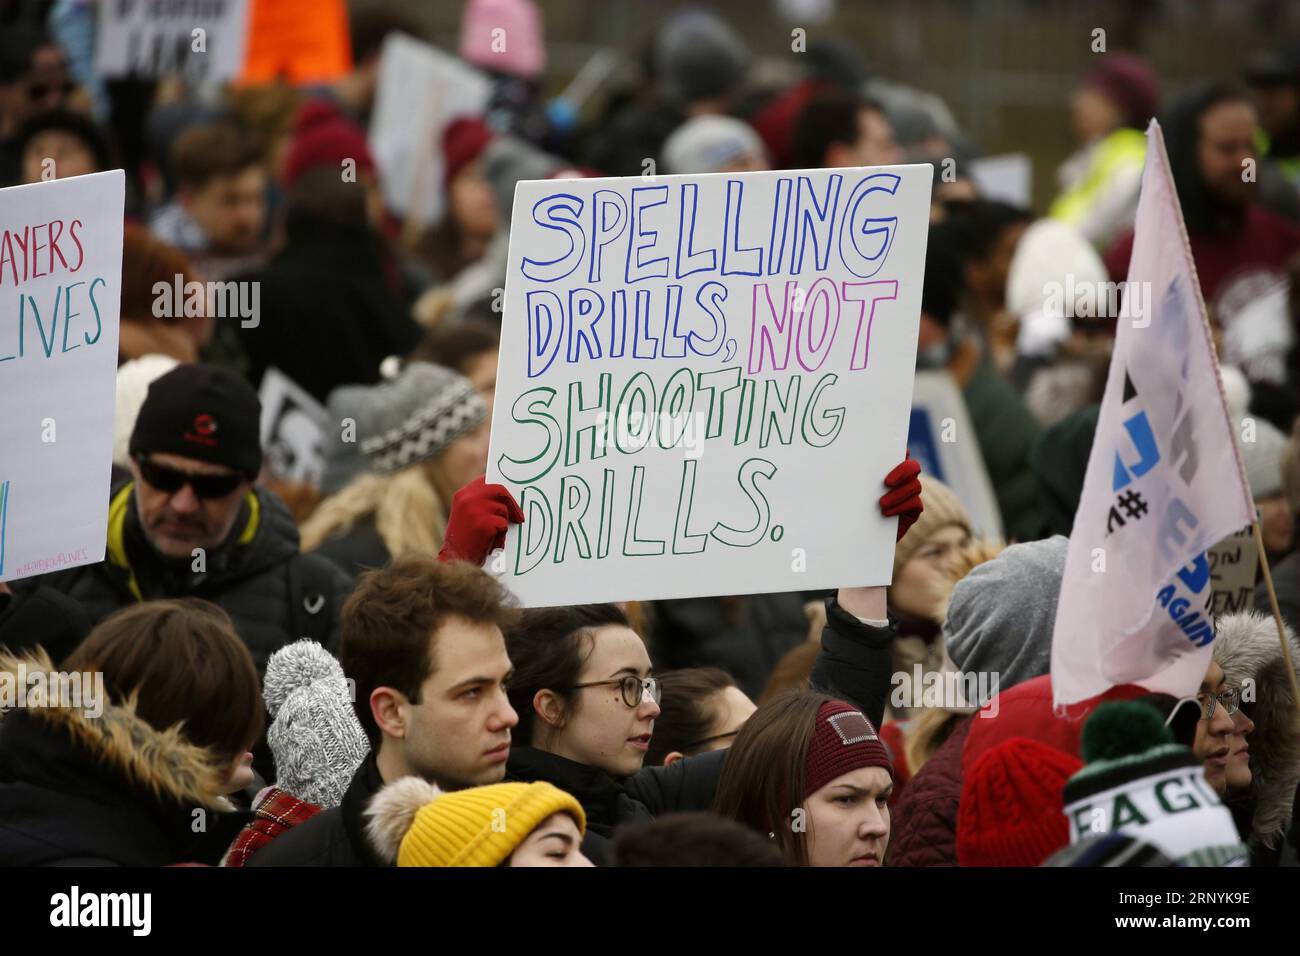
(703, 381)
(293, 429)
(201, 40)
(1234, 562)
(940, 436)
(420, 90)
(1007, 178)
(60, 293)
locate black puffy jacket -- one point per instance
(273, 594)
(83, 788)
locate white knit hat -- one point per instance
(315, 736)
(709, 144)
(133, 381)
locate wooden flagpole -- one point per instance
(1277, 614)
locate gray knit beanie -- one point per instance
(315, 737)
(698, 56)
(1263, 459)
(415, 416)
(1001, 615)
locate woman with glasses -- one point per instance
(1263, 760)
(587, 705)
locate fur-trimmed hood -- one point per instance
(1247, 649)
(161, 763)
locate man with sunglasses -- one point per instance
(190, 522)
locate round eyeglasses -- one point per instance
(634, 689)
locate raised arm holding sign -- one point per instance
(698, 377)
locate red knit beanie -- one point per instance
(463, 141)
(1130, 83)
(1012, 812)
(324, 136)
(843, 741)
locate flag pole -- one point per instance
(1277, 614)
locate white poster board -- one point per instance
(60, 295)
(293, 429)
(1234, 563)
(703, 381)
(941, 437)
(421, 89)
(200, 40)
(1007, 178)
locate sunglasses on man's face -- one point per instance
(171, 480)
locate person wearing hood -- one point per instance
(1099, 183)
(191, 523)
(1138, 781)
(333, 301)
(415, 823)
(1240, 248)
(1262, 768)
(116, 770)
(424, 436)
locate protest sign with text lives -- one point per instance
(60, 292)
(704, 379)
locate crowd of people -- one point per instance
(324, 672)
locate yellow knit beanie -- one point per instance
(417, 824)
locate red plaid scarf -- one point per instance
(276, 812)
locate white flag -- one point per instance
(1164, 480)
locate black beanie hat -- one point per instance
(203, 412)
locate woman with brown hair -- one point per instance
(116, 758)
(811, 772)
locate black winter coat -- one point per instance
(745, 636)
(44, 618)
(273, 594)
(106, 791)
(356, 551)
(333, 837)
(331, 308)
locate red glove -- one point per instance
(904, 495)
(480, 515)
